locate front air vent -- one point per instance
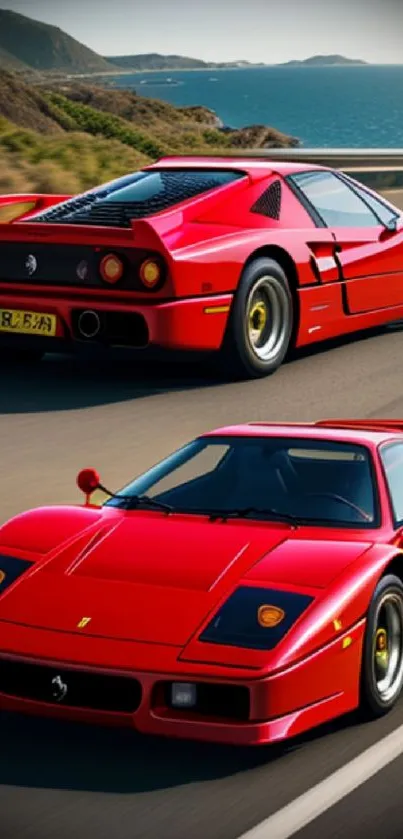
(269, 203)
(69, 688)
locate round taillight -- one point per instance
(150, 273)
(111, 268)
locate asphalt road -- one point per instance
(68, 782)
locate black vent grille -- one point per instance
(104, 210)
(269, 204)
(84, 690)
(73, 205)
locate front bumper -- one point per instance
(279, 706)
(189, 324)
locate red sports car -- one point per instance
(243, 590)
(239, 257)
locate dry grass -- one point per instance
(67, 164)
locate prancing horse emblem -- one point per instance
(83, 622)
(59, 689)
(31, 264)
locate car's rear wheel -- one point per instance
(261, 321)
(382, 664)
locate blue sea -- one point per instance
(340, 107)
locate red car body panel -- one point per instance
(344, 280)
(129, 575)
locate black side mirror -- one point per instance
(391, 225)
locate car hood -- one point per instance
(154, 578)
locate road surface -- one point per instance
(68, 782)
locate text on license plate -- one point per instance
(27, 323)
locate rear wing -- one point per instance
(142, 233)
(386, 425)
(392, 426)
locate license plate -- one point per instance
(27, 323)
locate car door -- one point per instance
(369, 246)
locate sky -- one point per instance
(269, 31)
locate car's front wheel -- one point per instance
(261, 321)
(382, 663)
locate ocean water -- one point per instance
(341, 107)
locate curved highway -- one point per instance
(70, 782)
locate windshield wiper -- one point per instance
(136, 501)
(223, 515)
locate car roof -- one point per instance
(343, 431)
(250, 165)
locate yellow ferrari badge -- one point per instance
(83, 622)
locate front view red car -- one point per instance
(243, 590)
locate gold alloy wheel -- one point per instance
(387, 647)
(267, 311)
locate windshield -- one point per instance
(314, 481)
(137, 195)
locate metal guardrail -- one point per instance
(359, 158)
(381, 169)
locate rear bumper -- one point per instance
(279, 706)
(190, 324)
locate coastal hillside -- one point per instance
(72, 136)
(10, 62)
(27, 44)
(154, 61)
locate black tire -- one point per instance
(263, 292)
(386, 608)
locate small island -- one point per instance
(324, 61)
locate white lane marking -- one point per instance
(327, 793)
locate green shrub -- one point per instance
(100, 123)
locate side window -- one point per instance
(384, 213)
(334, 201)
(392, 459)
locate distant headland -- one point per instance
(33, 48)
(324, 61)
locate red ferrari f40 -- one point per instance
(244, 590)
(241, 258)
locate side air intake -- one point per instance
(269, 204)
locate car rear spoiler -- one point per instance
(392, 425)
(387, 425)
(142, 234)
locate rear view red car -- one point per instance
(240, 258)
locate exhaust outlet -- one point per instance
(89, 324)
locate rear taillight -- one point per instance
(150, 273)
(131, 270)
(111, 268)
